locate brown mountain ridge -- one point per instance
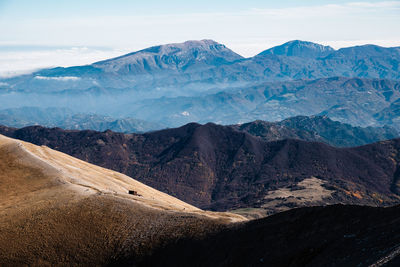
(220, 168)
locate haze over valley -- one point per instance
(204, 81)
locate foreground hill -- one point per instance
(220, 168)
(320, 236)
(58, 210)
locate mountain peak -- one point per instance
(172, 56)
(205, 44)
(299, 48)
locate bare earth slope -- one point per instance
(58, 210)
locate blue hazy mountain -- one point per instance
(184, 57)
(350, 100)
(299, 48)
(195, 66)
(68, 119)
(205, 81)
(159, 70)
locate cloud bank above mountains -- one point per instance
(26, 59)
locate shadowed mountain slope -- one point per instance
(320, 236)
(58, 210)
(220, 168)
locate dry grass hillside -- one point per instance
(58, 210)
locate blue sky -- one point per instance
(51, 8)
(39, 33)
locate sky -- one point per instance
(45, 33)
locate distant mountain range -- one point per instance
(317, 129)
(313, 128)
(208, 62)
(351, 100)
(68, 119)
(225, 168)
(204, 81)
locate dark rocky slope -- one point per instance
(320, 236)
(220, 168)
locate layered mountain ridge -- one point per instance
(351, 100)
(221, 168)
(204, 81)
(318, 129)
(68, 119)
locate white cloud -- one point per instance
(26, 61)
(58, 78)
(336, 11)
(384, 4)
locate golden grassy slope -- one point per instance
(58, 210)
